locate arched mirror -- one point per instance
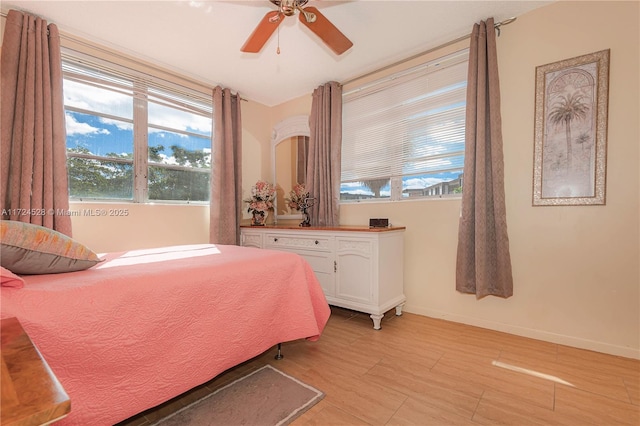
(289, 145)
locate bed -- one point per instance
(144, 326)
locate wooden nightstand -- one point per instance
(31, 393)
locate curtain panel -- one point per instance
(34, 185)
(323, 165)
(483, 261)
(226, 169)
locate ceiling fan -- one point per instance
(309, 16)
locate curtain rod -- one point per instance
(497, 26)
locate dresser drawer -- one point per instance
(298, 242)
(251, 240)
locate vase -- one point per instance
(259, 218)
(307, 220)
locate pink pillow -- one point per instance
(9, 279)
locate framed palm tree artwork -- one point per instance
(570, 146)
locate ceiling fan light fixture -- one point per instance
(289, 7)
(310, 17)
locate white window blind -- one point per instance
(84, 67)
(407, 129)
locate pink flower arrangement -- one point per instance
(262, 195)
(297, 196)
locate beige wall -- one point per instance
(256, 146)
(576, 276)
(106, 227)
(576, 273)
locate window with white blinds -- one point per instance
(403, 136)
(132, 135)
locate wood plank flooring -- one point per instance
(424, 371)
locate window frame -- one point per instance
(148, 84)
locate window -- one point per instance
(403, 136)
(132, 136)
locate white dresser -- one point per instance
(359, 268)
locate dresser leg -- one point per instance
(376, 321)
(399, 309)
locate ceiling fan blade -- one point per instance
(263, 31)
(328, 32)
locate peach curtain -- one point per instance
(323, 165)
(226, 169)
(34, 186)
(483, 261)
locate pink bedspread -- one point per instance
(145, 326)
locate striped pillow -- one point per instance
(29, 249)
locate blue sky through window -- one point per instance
(98, 135)
(103, 137)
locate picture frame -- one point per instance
(570, 136)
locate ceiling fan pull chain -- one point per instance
(278, 49)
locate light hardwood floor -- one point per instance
(424, 371)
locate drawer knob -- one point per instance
(317, 242)
(275, 240)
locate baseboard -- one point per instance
(529, 332)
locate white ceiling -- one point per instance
(202, 39)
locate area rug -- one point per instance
(265, 397)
